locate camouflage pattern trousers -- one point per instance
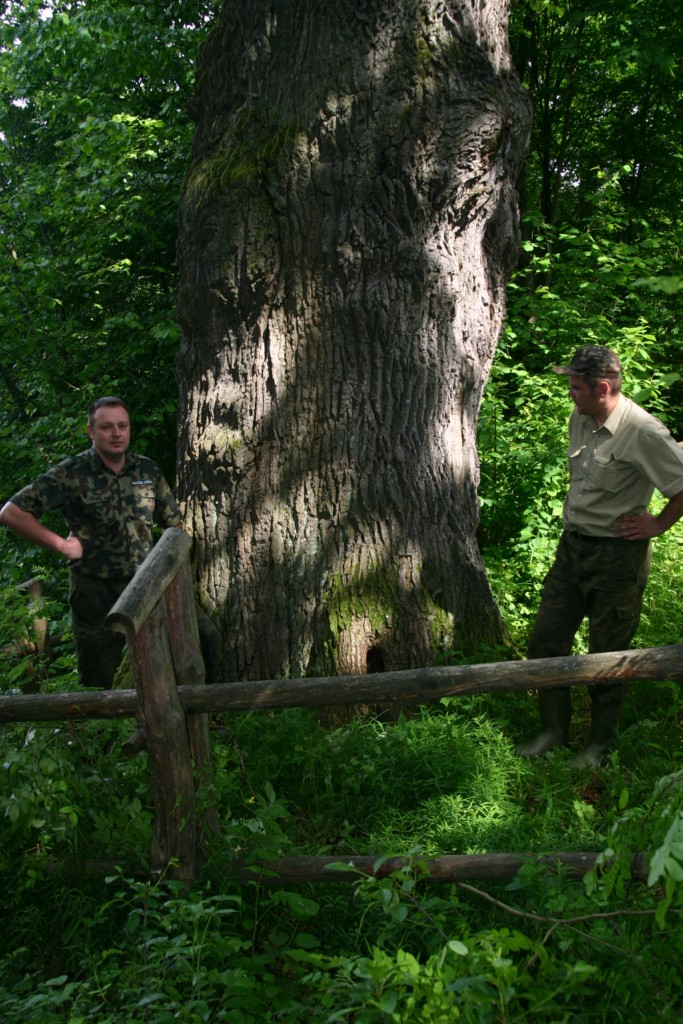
(99, 650)
(599, 578)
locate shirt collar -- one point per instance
(129, 461)
(615, 417)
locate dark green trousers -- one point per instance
(603, 580)
(99, 650)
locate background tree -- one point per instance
(603, 80)
(94, 140)
(347, 229)
(601, 256)
(604, 173)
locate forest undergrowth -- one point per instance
(106, 945)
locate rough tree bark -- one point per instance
(347, 229)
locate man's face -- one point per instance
(585, 398)
(110, 432)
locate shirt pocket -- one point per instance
(98, 511)
(610, 474)
(577, 461)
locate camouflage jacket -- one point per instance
(111, 514)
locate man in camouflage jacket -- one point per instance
(110, 499)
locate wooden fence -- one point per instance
(157, 613)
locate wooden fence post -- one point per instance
(157, 656)
(37, 641)
(183, 632)
(163, 718)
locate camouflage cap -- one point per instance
(592, 361)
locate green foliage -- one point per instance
(94, 142)
(476, 981)
(548, 951)
(589, 124)
(398, 948)
(592, 299)
(59, 789)
(657, 830)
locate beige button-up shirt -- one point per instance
(614, 470)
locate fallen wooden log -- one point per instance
(485, 867)
(447, 868)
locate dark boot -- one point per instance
(556, 712)
(605, 716)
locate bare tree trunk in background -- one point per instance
(348, 226)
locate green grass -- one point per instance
(448, 780)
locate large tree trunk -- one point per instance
(347, 229)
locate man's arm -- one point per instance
(166, 511)
(645, 525)
(26, 526)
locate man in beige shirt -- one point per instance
(618, 456)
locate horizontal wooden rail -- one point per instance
(417, 686)
(445, 868)
(408, 686)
